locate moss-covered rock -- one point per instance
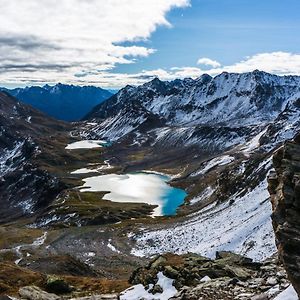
(57, 285)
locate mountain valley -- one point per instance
(213, 137)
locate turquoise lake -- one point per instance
(172, 198)
(139, 187)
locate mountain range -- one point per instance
(214, 113)
(63, 102)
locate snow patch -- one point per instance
(86, 144)
(8, 157)
(288, 294)
(97, 168)
(204, 195)
(84, 171)
(40, 241)
(139, 291)
(253, 143)
(205, 279)
(218, 161)
(112, 247)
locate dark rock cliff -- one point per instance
(26, 185)
(284, 187)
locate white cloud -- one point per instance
(51, 40)
(117, 80)
(281, 63)
(186, 72)
(208, 62)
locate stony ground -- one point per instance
(228, 277)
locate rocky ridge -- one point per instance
(229, 276)
(212, 113)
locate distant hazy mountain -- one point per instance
(113, 91)
(64, 102)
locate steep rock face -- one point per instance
(64, 102)
(284, 187)
(24, 187)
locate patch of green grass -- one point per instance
(12, 236)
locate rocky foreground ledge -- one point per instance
(229, 276)
(284, 187)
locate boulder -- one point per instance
(35, 293)
(158, 261)
(157, 289)
(238, 272)
(233, 257)
(171, 272)
(57, 285)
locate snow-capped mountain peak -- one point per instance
(229, 101)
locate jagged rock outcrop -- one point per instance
(229, 276)
(284, 187)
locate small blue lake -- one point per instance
(141, 187)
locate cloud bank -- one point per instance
(54, 40)
(281, 63)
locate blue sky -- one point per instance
(223, 30)
(111, 43)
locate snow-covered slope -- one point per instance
(241, 223)
(286, 124)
